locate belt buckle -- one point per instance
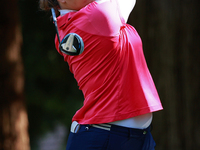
(75, 127)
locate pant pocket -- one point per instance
(133, 143)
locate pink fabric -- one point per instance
(112, 71)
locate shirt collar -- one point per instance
(65, 11)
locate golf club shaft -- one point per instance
(55, 22)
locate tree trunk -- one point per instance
(13, 115)
(170, 33)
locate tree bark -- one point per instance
(170, 33)
(13, 114)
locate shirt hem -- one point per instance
(117, 117)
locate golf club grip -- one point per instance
(55, 22)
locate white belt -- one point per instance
(102, 126)
(75, 126)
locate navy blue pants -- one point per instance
(118, 138)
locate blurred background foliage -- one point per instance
(51, 92)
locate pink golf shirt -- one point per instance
(111, 72)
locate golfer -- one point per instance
(119, 92)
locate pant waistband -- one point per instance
(109, 127)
